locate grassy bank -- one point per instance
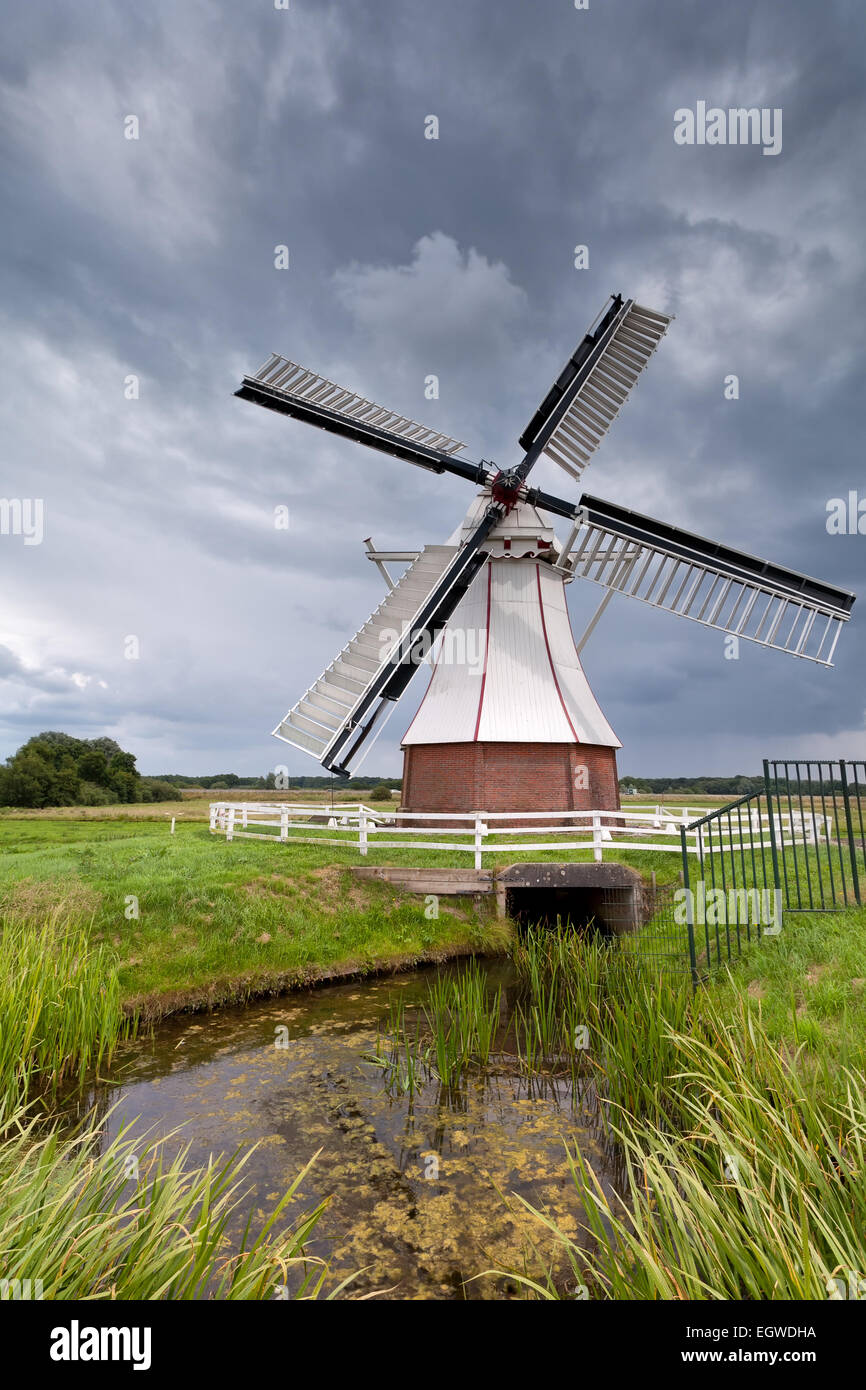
(195, 922)
(741, 1116)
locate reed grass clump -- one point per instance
(60, 1011)
(759, 1196)
(455, 1031)
(743, 1164)
(77, 1224)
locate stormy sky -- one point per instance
(154, 258)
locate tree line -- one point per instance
(55, 769)
(226, 780)
(701, 786)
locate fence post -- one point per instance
(284, 823)
(849, 826)
(690, 910)
(362, 830)
(597, 851)
(478, 830)
(230, 824)
(213, 815)
(777, 882)
(244, 817)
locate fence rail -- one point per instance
(645, 828)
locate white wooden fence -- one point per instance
(651, 828)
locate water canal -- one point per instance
(423, 1187)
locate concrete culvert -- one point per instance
(603, 898)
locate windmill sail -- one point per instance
(293, 390)
(588, 394)
(709, 583)
(327, 707)
(335, 715)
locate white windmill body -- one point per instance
(508, 721)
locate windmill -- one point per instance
(509, 721)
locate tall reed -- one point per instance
(746, 1184)
(73, 1221)
(60, 1012)
(462, 1020)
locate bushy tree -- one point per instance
(154, 789)
(55, 769)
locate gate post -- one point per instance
(849, 826)
(690, 910)
(777, 884)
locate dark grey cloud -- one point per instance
(408, 257)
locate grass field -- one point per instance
(217, 922)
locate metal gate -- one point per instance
(797, 846)
(828, 800)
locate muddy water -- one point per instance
(423, 1191)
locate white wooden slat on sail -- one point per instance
(292, 380)
(606, 388)
(326, 709)
(694, 588)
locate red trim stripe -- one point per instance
(550, 658)
(486, 651)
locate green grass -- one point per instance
(765, 1064)
(60, 1012)
(216, 921)
(753, 1191)
(808, 986)
(743, 1142)
(125, 1223)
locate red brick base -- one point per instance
(509, 777)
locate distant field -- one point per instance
(193, 804)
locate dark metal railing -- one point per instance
(827, 798)
(797, 846)
(732, 895)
